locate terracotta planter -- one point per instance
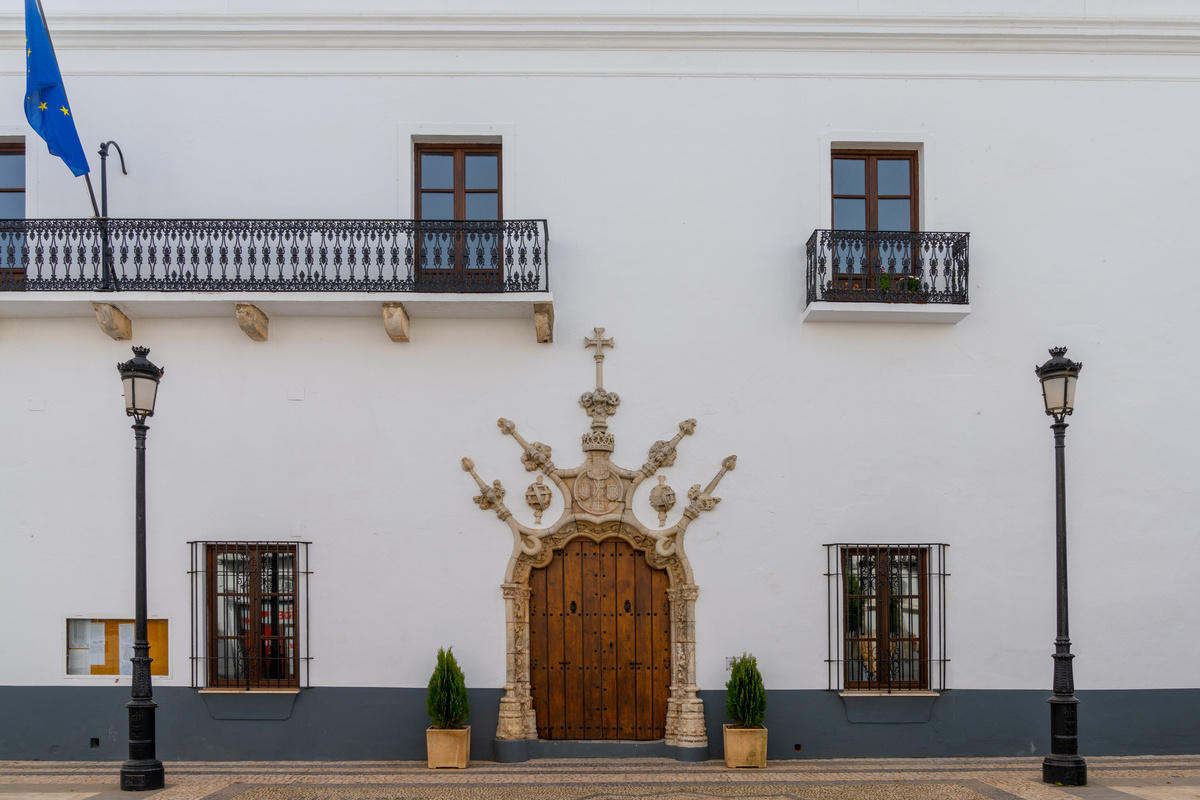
(745, 747)
(448, 747)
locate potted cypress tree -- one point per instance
(447, 740)
(746, 705)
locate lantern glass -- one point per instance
(1054, 391)
(140, 390)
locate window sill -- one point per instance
(249, 704)
(921, 313)
(889, 708)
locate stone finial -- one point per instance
(395, 321)
(113, 322)
(252, 321)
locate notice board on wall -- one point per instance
(104, 646)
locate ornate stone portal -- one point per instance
(598, 499)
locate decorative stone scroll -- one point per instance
(598, 503)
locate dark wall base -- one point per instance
(58, 723)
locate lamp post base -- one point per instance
(142, 776)
(1063, 770)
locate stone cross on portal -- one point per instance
(599, 342)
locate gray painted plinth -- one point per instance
(57, 723)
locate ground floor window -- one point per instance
(249, 614)
(887, 616)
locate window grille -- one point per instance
(887, 617)
(250, 615)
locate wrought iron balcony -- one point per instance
(244, 255)
(887, 267)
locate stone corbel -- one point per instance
(395, 321)
(113, 322)
(543, 322)
(252, 321)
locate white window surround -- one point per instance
(411, 134)
(824, 311)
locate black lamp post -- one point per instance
(1064, 766)
(142, 771)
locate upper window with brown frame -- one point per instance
(12, 206)
(459, 198)
(887, 617)
(875, 190)
(248, 603)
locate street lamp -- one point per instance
(142, 771)
(1064, 766)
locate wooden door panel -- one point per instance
(593, 646)
(572, 600)
(556, 704)
(626, 651)
(599, 643)
(643, 640)
(539, 656)
(660, 661)
(608, 651)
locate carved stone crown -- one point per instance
(599, 440)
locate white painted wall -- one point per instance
(680, 179)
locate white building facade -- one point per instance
(832, 240)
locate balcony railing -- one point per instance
(887, 267)
(244, 255)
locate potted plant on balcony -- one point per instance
(746, 705)
(447, 740)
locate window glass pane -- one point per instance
(892, 175)
(483, 205)
(437, 171)
(12, 205)
(483, 171)
(850, 215)
(437, 205)
(850, 176)
(893, 215)
(12, 170)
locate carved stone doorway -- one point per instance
(600, 643)
(597, 514)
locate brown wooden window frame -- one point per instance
(464, 241)
(866, 259)
(268, 653)
(872, 195)
(12, 272)
(874, 589)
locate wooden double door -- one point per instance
(600, 643)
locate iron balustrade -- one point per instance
(887, 267)
(245, 255)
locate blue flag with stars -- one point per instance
(46, 105)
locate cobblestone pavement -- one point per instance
(1111, 778)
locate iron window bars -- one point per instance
(204, 255)
(887, 617)
(887, 267)
(249, 603)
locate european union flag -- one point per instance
(46, 105)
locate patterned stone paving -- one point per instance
(1110, 778)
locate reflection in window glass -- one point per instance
(849, 176)
(482, 171)
(437, 171)
(892, 176)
